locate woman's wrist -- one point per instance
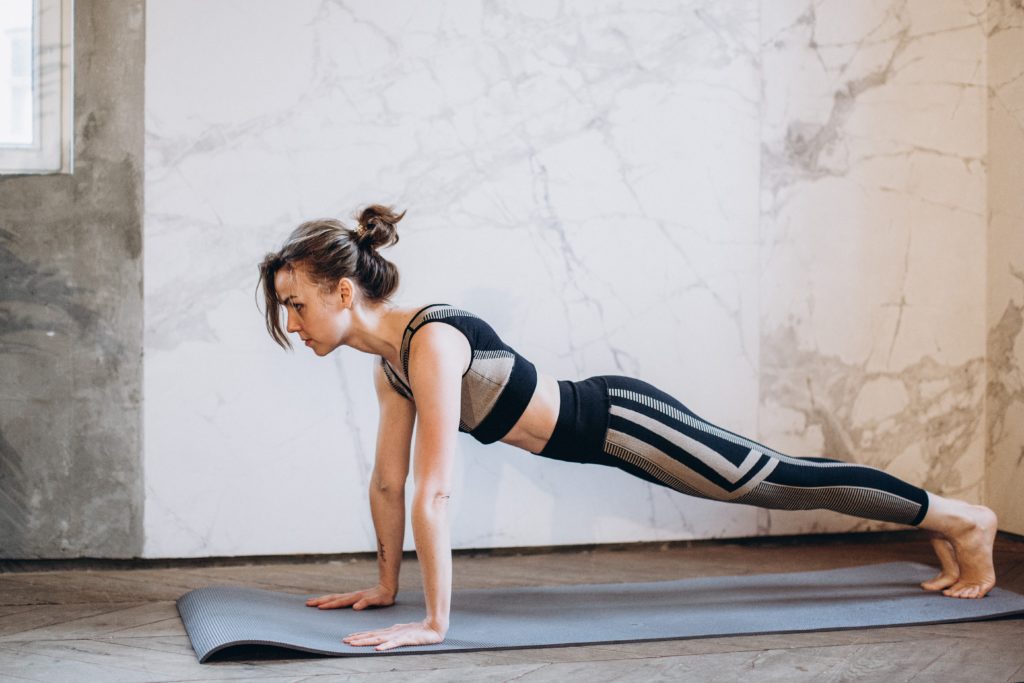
(436, 624)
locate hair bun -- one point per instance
(378, 226)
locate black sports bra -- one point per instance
(496, 388)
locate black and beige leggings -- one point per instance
(627, 423)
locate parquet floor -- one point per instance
(121, 624)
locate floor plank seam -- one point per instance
(69, 621)
(112, 665)
(148, 623)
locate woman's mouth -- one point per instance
(309, 342)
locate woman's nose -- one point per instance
(292, 326)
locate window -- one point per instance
(35, 86)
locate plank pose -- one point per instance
(460, 376)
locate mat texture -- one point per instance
(217, 618)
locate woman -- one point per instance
(460, 376)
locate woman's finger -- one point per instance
(358, 634)
(367, 640)
(334, 604)
(382, 636)
(313, 602)
(368, 601)
(333, 600)
(363, 634)
(390, 643)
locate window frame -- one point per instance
(51, 150)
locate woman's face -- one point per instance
(319, 319)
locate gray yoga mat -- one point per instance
(217, 618)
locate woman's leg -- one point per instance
(653, 435)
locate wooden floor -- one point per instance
(121, 625)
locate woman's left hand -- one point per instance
(418, 633)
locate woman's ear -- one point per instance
(346, 292)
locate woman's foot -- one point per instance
(965, 536)
(947, 558)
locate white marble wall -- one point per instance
(1006, 263)
(774, 211)
(872, 326)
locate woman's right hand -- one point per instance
(378, 596)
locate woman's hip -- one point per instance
(587, 408)
(592, 409)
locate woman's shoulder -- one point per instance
(462, 320)
(418, 315)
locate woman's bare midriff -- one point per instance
(536, 425)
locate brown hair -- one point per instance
(328, 251)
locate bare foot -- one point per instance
(971, 531)
(947, 557)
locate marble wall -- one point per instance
(872, 260)
(71, 315)
(775, 211)
(1006, 262)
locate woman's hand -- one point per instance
(418, 633)
(378, 596)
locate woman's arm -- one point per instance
(437, 358)
(387, 498)
(387, 483)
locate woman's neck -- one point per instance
(378, 329)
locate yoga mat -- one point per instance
(217, 618)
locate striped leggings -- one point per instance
(627, 423)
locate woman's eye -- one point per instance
(297, 307)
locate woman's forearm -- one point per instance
(434, 550)
(388, 510)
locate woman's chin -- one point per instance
(322, 349)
